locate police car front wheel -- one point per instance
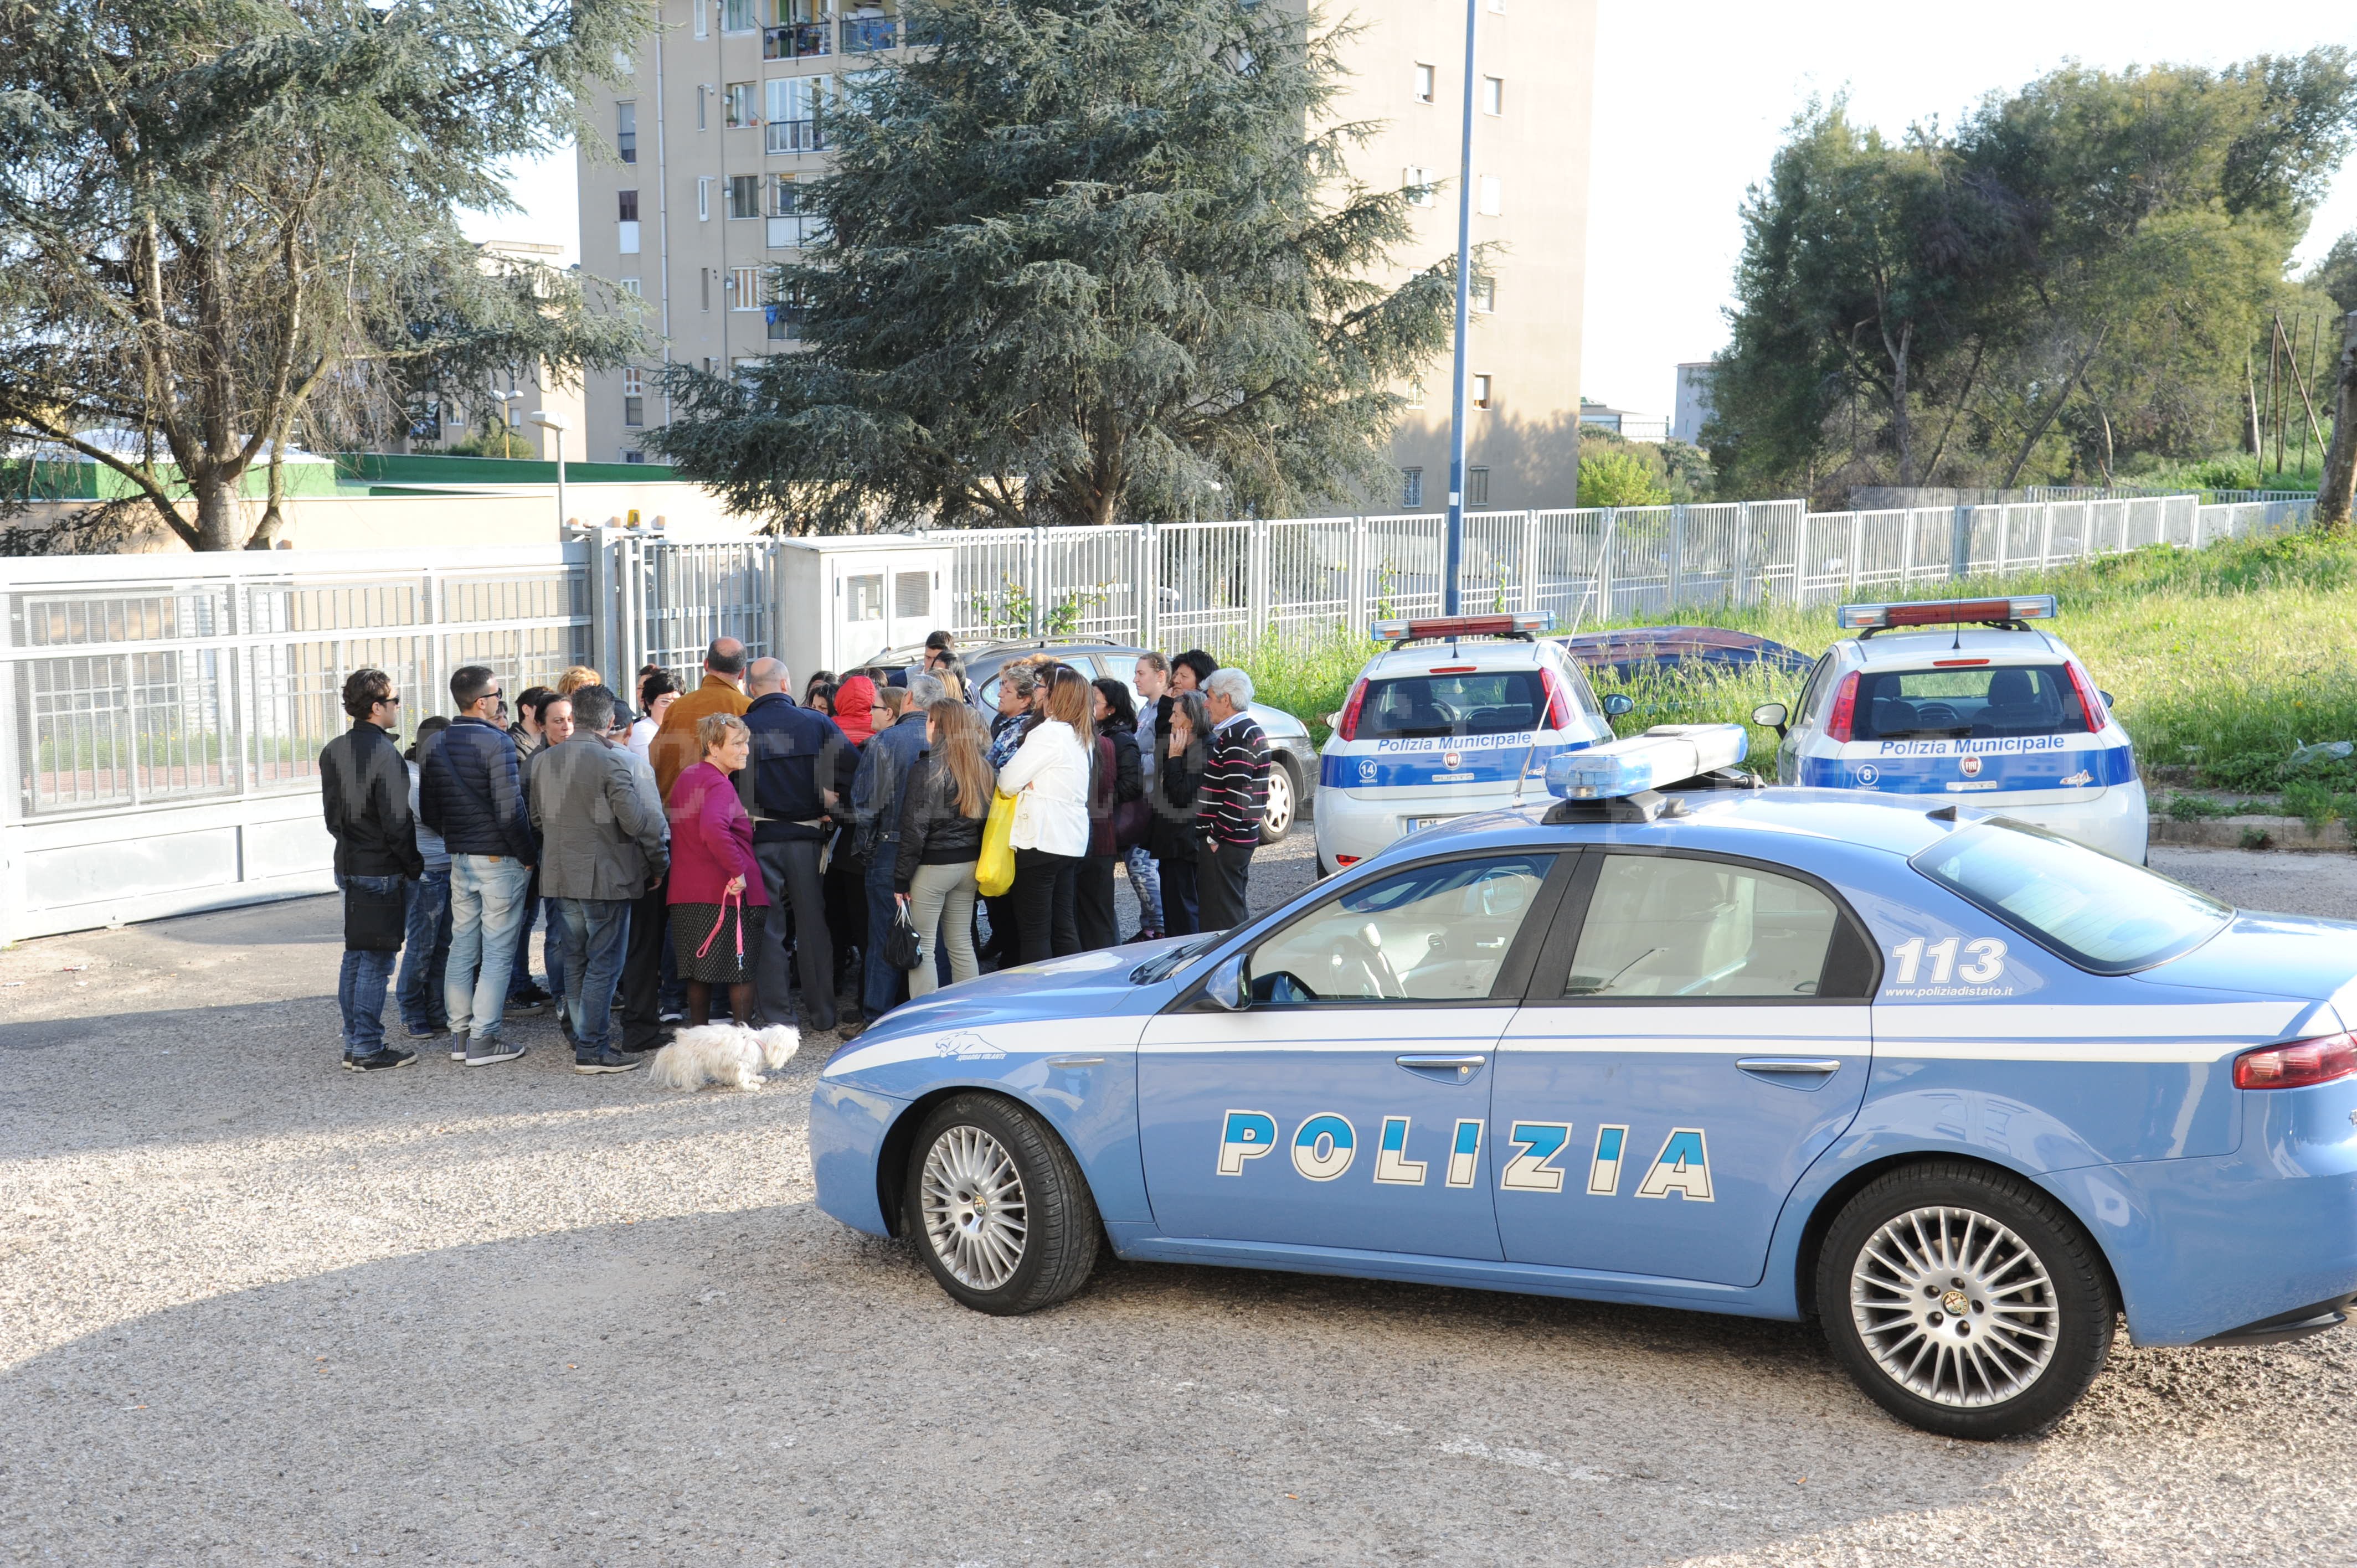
(1964, 1299)
(997, 1207)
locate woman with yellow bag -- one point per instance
(1048, 777)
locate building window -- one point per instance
(1485, 295)
(702, 93)
(738, 16)
(703, 9)
(745, 288)
(1493, 95)
(1411, 487)
(1499, 7)
(1424, 78)
(1477, 486)
(703, 199)
(634, 396)
(738, 106)
(634, 456)
(703, 281)
(1417, 181)
(1493, 196)
(1482, 391)
(794, 106)
(626, 131)
(1415, 394)
(626, 236)
(743, 196)
(628, 204)
(631, 288)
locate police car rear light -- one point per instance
(1527, 623)
(1956, 663)
(1452, 669)
(1558, 710)
(1348, 726)
(2090, 702)
(2301, 1063)
(1944, 612)
(1662, 756)
(1843, 721)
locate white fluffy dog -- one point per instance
(729, 1055)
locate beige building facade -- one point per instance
(718, 128)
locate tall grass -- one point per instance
(2224, 659)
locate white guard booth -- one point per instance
(844, 599)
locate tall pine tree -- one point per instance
(1088, 258)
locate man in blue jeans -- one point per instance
(471, 792)
(364, 792)
(884, 764)
(425, 945)
(604, 842)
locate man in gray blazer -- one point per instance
(603, 841)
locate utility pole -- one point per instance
(1453, 562)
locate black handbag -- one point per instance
(903, 948)
(374, 922)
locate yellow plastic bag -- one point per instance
(995, 871)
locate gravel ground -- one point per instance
(253, 1309)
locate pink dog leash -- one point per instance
(723, 920)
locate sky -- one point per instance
(1692, 100)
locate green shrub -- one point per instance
(1620, 478)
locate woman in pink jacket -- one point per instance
(712, 872)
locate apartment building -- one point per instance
(718, 130)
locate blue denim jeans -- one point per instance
(882, 987)
(1145, 881)
(425, 952)
(359, 987)
(551, 953)
(592, 933)
(487, 910)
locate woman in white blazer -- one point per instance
(1048, 777)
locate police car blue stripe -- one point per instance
(1941, 768)
(1477, 762)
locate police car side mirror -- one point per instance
(1771, 714)
(1225, 986)
(2107, 699)
(1616, 704)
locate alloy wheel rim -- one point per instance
(1279, 815)
(1955, 1307)
(976, 1215)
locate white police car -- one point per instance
(1461, 714)
(1964, 700)
(1961, 1088)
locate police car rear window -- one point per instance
(1991, 700)
(2099, 913)
(1486, 702)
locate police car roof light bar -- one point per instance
(2007, 613)
(1522, 625)
(1664, 756)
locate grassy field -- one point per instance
(2224, 659)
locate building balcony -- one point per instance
(795, 137)
(794, 231)
(786, 322)
(868, 35)
(801, 40)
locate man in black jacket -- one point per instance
(364, 790)
(471, 790)
(782, 788)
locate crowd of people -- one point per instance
(734, 848)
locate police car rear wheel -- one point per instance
(1965, 1301)
(1278, 820)
(997, 1207)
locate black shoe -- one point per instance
(671, 1015)
(380, 1061)
(608, 1059)
(526, 1005)
(645, 1043)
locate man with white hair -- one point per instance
(1231, 799)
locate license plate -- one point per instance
(1417, 824)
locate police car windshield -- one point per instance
(1484, 701)
(2099, 913)
(1987, 701)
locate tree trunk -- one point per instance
(2037, 433)
(218, 523)
(2334, 486)
(2251, 403)
(1902, 428)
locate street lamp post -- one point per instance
(555, 427)
(1453, 565)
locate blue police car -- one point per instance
(1966, 700)
(1460, 714)
(1961, 1088)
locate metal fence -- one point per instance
(1225, 585)
(161, 716)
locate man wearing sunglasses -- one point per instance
(471, 792)
(364, 790)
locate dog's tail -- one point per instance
(673, 1068)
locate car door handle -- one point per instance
(1461, 1068)
(1793, 1067)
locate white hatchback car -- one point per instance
(1461, 714)
(1965, 700)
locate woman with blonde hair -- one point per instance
(712, 872)
(944, 806)
(1048, 777)
(573, 680)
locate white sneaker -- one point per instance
(483, 1053)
